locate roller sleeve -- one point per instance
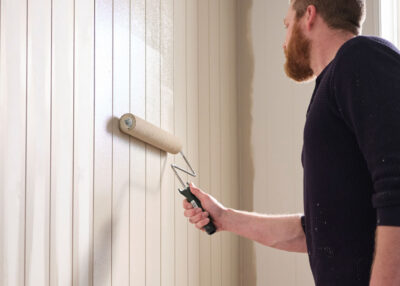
(149, 133)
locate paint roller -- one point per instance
(151, 134)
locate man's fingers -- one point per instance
(187, 205)
(202, 223)
(198, 217)
(191, 212)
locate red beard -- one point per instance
(297, 54)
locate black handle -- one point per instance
(210, 227)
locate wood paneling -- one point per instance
(192, 94)
(153, 202)
(62, 143)
(121, 100)
(167, 123)
(102, 208)
(13, 37)
(215, 131)
(204, 130)
(180, 119)
(38, 132)
(103, 144)
(137, 148)
(83, 143)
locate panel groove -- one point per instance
(198, 114)
(174, 112)
(129, 137)
(73, 147)
(220, 121)
(26, 131)
(160, 125)
(51, 133)
(94, 134)
(198, 121)
(186, 131)
(112, 145)
(145, 147)
(209, 109)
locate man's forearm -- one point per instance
(278, 231)
(385, 269)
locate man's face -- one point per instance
(297, 49)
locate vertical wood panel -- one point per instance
(137, 149)
(192, 129)
(13, 16)
(167, 123)
(233, 164)
(153, 202)
(120, 199)
(83, 144)
(226, 144)
(103, 143)
(204, 131)
(181, 225)
(62, 143)
(215, 135)
(38, 143)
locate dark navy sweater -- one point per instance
(351, 160)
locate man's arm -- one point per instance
(282, 232)
(385, 269)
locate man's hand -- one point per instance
(385, 269)
(211, 206)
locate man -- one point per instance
(351, 152)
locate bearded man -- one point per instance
(351, 152)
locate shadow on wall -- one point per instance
(103, 245)
(245, 74)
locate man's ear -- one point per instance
(311, 15)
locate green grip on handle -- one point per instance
(210, 227)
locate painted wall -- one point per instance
(80, 202)
(271, 121)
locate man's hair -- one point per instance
(347, 15)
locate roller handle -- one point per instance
(195, 202)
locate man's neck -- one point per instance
(324, 49)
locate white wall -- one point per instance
(83, 204)
(273, 107)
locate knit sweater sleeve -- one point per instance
(303, 223)
(366, 85)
